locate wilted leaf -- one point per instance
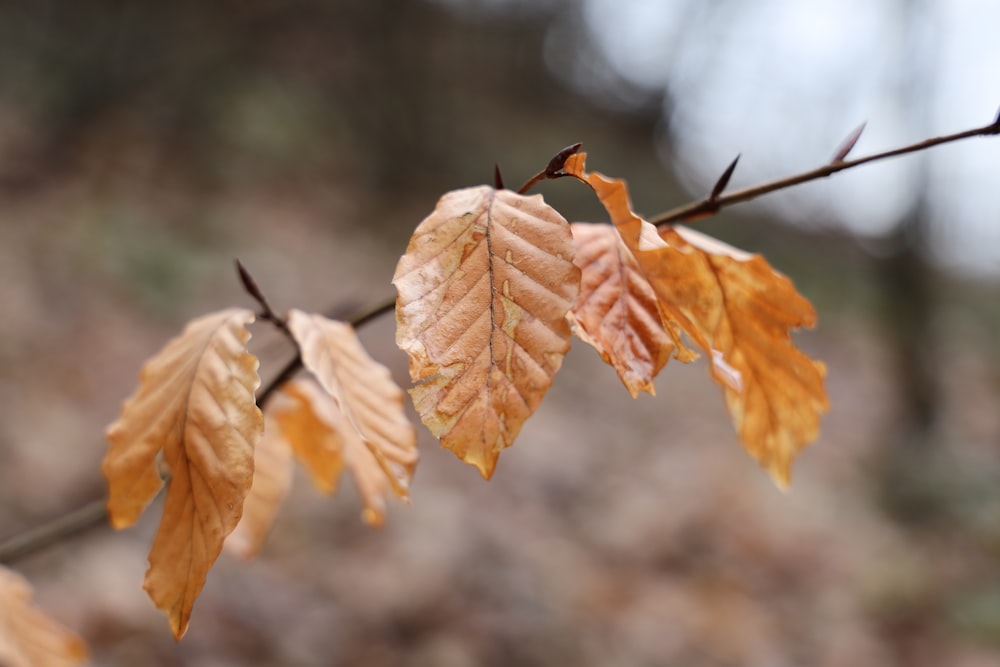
(364, 391)
(483, 293)
(616, 311)
(272, 478)
(28, 636)
(195, 408)
(740, 311)
(325, 442)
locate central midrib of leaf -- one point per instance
(493, 304)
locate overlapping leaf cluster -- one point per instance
(489, 291)
(492, 280)
(194, 424)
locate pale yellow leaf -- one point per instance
(364, 391)
(194, 408)
(28, 636)
(483, 293)
(616, 311)
(326, 443)
(740, 311)
(272, 478)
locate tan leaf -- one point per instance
(616, 311)
(483, 293)
(326, 443)
(272, 478)
(28, 636)
(740, 311)
(364, 391)
(317, 443)
(194, 407)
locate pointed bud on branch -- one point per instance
(848, 144)
(723, 181)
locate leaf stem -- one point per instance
(711, 205)
(95, 513)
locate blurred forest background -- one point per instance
(145, 145)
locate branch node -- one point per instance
(554, 169)
(266, 313)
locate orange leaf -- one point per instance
(483, 293)
(29, 637)
(740, 311)
(616, 311)
(272, 478)
(364, 392)
(195, 407)
(326, 443)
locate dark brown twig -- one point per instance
(709, 205)
(266, 313)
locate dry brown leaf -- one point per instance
(314, 441)
(272, 478)
(194, 408)
(616, 311)
(325, 442)
(28, 636)
(740, 311)
(483, 293)
(364, 391)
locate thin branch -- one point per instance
(95, 513)
(91, 515)
(711, 205)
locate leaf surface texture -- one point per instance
(272, 479)
(195, 412)
(364, 393)
(326, 443)
(483, 292)
(616, 311)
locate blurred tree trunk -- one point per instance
(909, 302)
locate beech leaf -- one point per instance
(740, 311)
(326, 443)
(483, 292)
(616, 311)
(364, 391)
(28, 636)
(194, 408)
(272, 479)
